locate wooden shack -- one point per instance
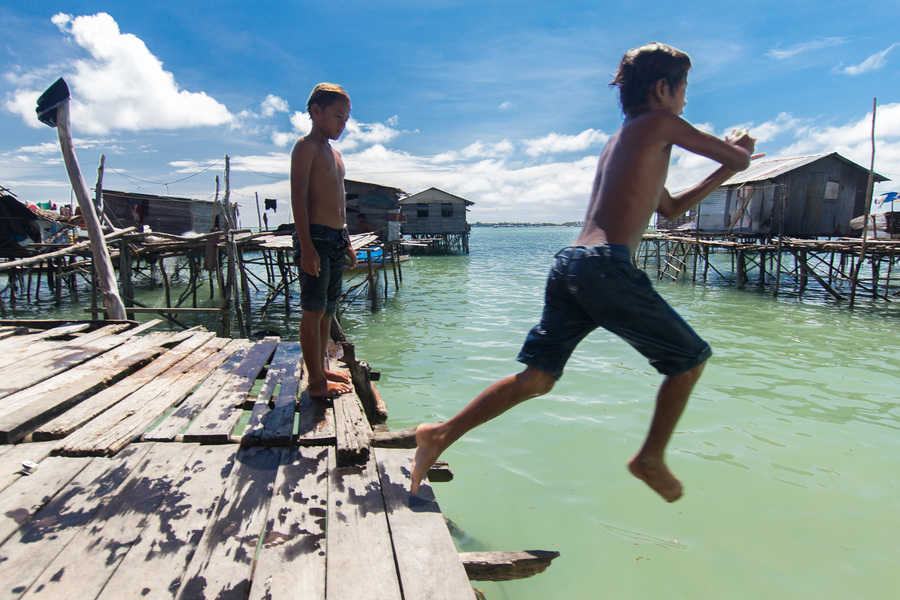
(439, 216)
(162, 214)
(379, 203)
(805, 197)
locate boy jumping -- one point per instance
(593, 282)
(321, 241)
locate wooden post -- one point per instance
(101, 261)
(868, 202)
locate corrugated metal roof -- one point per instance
(770, 169)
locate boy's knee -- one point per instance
(536, 382)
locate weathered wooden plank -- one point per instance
(26, 409)
(25, 555)
(33, 343)
(222, 564)
(83, 567)
(506, 566)
(127, 421)
(427, 560)
(80, 414)
(31, 347)
(14, 455)
(360, 562)
(8, 332)
(216, 422)
(315, 421)
(274, 426)
(291, 562)
(173, 531)
(47, 364)
(29, 493)
(351, 429)
(173, 424)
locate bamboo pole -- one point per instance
(868, 201)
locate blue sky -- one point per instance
(505, 103)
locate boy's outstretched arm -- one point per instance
(734, 155)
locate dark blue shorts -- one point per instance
(322, 292)
(597, 286)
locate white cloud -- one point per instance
(120, 85)
(873, 63)
(817, 44)
(273, 104)
(555, 143)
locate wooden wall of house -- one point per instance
(822, 198)
(435, 223)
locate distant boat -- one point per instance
(377, 259)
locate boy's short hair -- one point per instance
(326, 94)
(642, 67)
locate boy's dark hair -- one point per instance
(326, 94)
(361, 216)
(642, 67)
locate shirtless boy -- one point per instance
(321, 242)
(593, 282)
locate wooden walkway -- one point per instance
(126, 471)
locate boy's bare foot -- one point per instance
(655, 474)
(428, 449)
(337, 376)
(328, 389)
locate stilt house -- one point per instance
(804, 197)
(379, 203)
(163, 214)
(435, 215)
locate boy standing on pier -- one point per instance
(321, 242)
(593, 282)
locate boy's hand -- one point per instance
(309, 262)
(742, 139)
(351, 260)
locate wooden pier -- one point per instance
(842, 268)
(148, 464)
(223, 272)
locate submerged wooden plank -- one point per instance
(506, 566)
(360, 556)
(173, 424)
(174, 529)
(221, 567)
(83, 567)
(127, 421)
(427, 560)
(29, 493)
(78, 415)
(26, 409)
(291, 562)
(25, 555)
(216, 422)
(274, 426)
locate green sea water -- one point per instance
(788, 449)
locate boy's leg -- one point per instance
(648, 464)
(433, 438)
(324, 336)
(312, 344)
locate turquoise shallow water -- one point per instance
(788, 449)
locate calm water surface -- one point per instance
(788, 450)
